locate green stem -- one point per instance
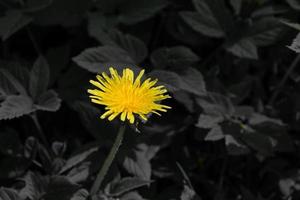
(108, 161)
(40, 130)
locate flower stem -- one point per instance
(108, 161)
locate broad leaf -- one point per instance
(15, 106)
(131, 44)
(191, 80)
(215, 134)
(178, 56)
(203, 23)
(100, 58)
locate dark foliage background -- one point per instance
(231, 67)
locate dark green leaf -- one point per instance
(203, 23)
(13, 21)
(245, 49)
(11, 84)
(209, 121)
(77, 159)
(215, 134)
(131, 44)
(15, 106)
(294, 4)
(132, 196)
(127, 184)
(100, 58)
(48, 101)
(191, 80)
(39, 77)
(9, 194)
(81, 194)
(295, 46)
(178, 56)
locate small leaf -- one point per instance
(11, 84)
(209, 121)
(15, 106)
(75, 160)
(203, 22)
(100, 58)
(245, 49)
(81, 194)
(178, 56)
(137, 164)
(189, 194)
(13, 21)
(39, 77)
(9, 194)
(293, 25)
(48, 101)
(215, 134)
(127, 184)
(295, 46)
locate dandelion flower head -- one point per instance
(127, 96)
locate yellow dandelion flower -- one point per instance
(126, 96)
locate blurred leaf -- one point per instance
(237, 5)
(9, 194)
(36, 5)
(62, 186)
(245, 49)
(293, 25)
(134, 11)
(100, 58)
(35, 186)
(10, 143)
(178, 56)
(294, 4)
(11, 84)
(295, 46)
(13, 21)
(15, 106)
(208, 121)
(39, 77)
(127, 184)
(215, 134)
(65, 13)
(203, 22)
(81, 194)
(48, 101)
(216, 104)
(132, 196)
(189, 194)
(191, 80)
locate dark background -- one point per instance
(232, 132)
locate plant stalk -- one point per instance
(108, 161)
